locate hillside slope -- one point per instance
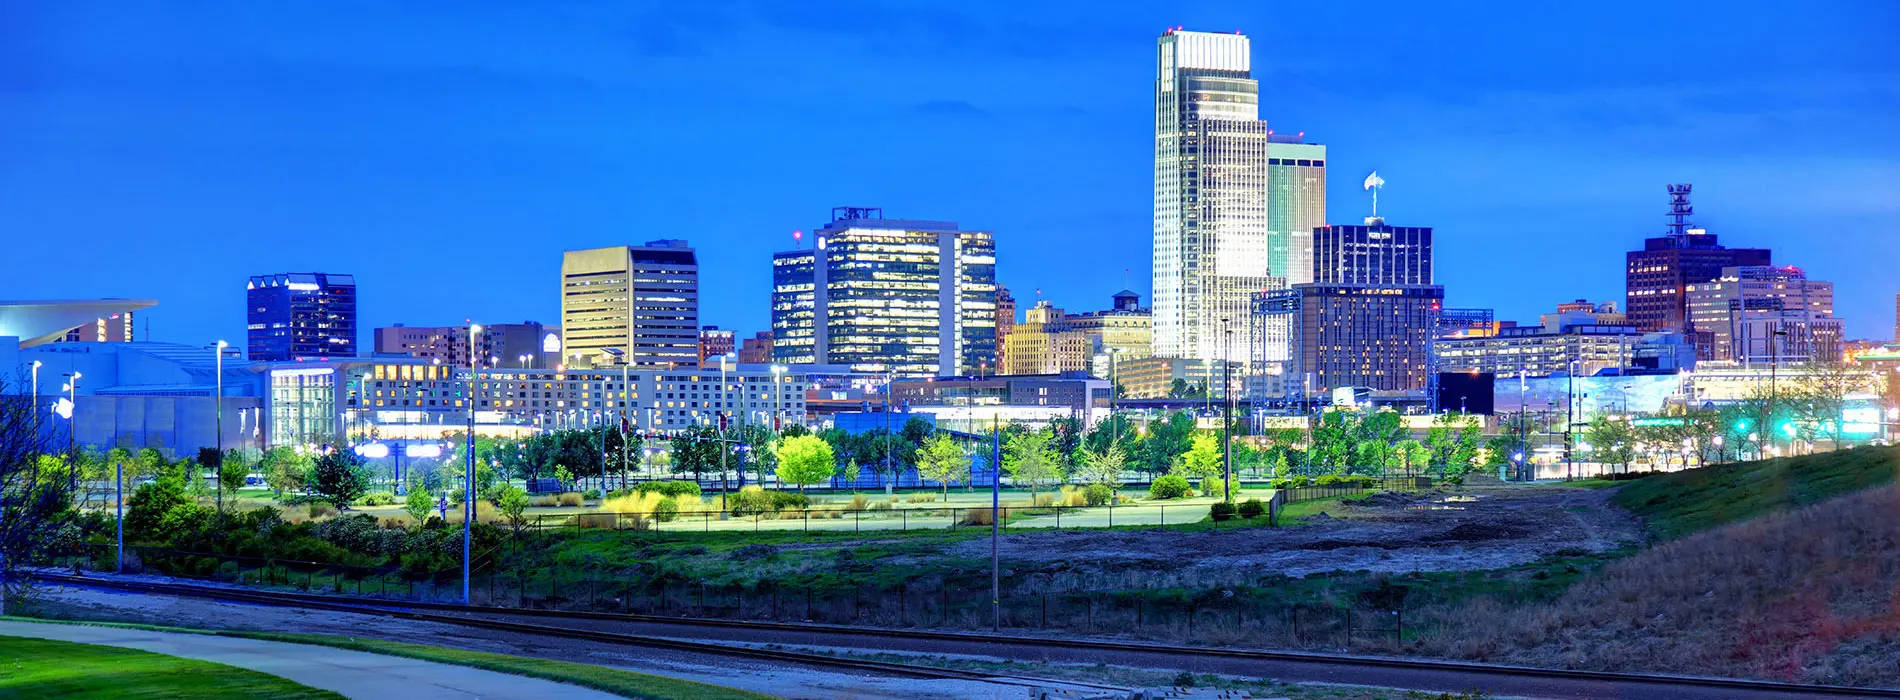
(1810, 594)
(1677, 504)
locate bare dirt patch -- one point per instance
(1478, 528)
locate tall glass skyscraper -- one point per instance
(1210, 214)
(300, 316)
(1296, 204)
(642, 301)
(914, 298)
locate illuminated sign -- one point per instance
(1860, 420)
(1659, 422)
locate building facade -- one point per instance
(1377, 337)
(1211, 242)
(1372, 254)
(300, 315)
(756, 350)
(525, 345)
(1082, 394)
(1759, 314)
(1296, 204)
(908, 297)
(642, 301)
(1050, 341)
(135, 395)
(714, 343)
(1005, 320)
(113, 328)
(1657, 278)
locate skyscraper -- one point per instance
(640, 300)
(1764, 314)
(1658, 276)
(1211, 250)
(1371, 312)
(300, 316)
(1296, 204)
(916, 298)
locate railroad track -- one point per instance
(464, 615)
(339, 604)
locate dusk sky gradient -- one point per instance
(446, 153)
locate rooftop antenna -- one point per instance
(1679, 211)
(1373, 184)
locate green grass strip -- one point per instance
(1679, 503)
(49, 668)
(624, 683)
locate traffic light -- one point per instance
(1741, 426)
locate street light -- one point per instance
(778, 398)
(36, 384)
(217, 405)
(468, 467)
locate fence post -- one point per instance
(1058, 517)
(807, 513)
(1164, 516)
(1111, 510)
(857, 516)
(906, 515)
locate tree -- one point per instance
(418, 506)
(1029, 460)
(512, 501)
(1167, 439)
(696, 450)
(31, 500)
(1103, 466)
(284, 469)
(233, 469)
(1201, 463)
(942, 460)
(1065, 437)
(1413, 456)
(338, 478)
(804, 460)
(1820, 395)
(1611, 441)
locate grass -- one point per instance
(1676, 504)
(612, 680)
(45, 668)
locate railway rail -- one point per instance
(1597, 683)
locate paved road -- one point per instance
(351, 673)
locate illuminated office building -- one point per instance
(519, 345)
(642, 301)
(299, 316)
(1657, 278)
(1369, 317)
(910, 297)
(1296, 204)
(1761, 314)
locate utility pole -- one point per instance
(996, 524)
(468, 464)
(1227, 417)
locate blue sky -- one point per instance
(169, 150)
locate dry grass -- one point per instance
(919, 498)
(1806, 595)
(1071, 496)
(544, 501)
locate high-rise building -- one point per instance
(1580, 337)
(1369, 316)
(713, 343)
(1005, 320)
(1049, 341)
(1658, 276)
(300, 316)
(1211, 249)
(525, 345)
(915, 298)
(639, 300)
(1296, 204)
(756, 350)
(1764, 314)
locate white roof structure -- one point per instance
(39, 322)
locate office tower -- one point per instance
(916, 298)
(1211, 194)
(713, 343)
(640, 300)
(1296, 204)
(1658, 276)
(1005, 321)
(1370, 314)
(756, 349)
(1049, 341)
(1580, 337)
(524, 345)
(299, 316)
(1764, 314)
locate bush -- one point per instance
(1071, 496)
(667, 510)
(1251, 508)
(591, 494)
(1169, 486)
(859, 502)
(1328, 481)
(148, 505)
(921, 498)
(674, 489)
(1043, 500)
(787, 500)
(751, 500)
(571, 498)
(377, 498)
(321, 510)
(1097, 494)
(544, 501)
(979, 516)
(1221, 510)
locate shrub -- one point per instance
(787, 500)
(1329, 481)
(1097, 494)
(321, 510)
(1221, 510)
(675, 489)
(1251, 508)
(751, 500)
(148, 505)
(666, 510)
(571, 498)
(859, 502)
(591, 494)
(1071, 496)
(377, 498)
(921, 498)
(1300, 481)
(979, 516)
(544, 501)
(1169, 486)
(1043, 500)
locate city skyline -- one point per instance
(1568, 181)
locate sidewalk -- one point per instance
(353, 674)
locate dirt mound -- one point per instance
(1483, 530)
(1388, 499)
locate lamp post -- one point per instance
(778, 398)
(468, 465)
(71, 388)
(1227, 417)
(36, 385)
(217, 405)
(725, 406)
